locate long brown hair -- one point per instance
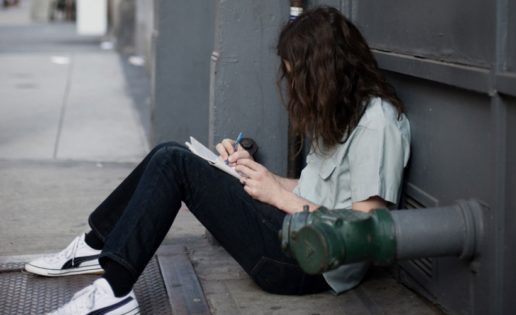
(330, 73)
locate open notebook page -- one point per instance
(200, 150)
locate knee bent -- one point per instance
(169, 151)
(168, 144)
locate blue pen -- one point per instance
(235, 145)
(237, 141)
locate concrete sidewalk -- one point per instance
(70, 131)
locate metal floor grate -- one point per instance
(24, 293)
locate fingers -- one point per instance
(249, 186)
(227, 152)
(222, 151)
(250, 190)
(239, 154)
(251, 164)
(251, 172)
(228, 145)
(245, 172)
(225, 148)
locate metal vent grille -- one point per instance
(24, 293)
(423, 266)
(418, 274)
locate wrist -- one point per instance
(281, 199)
(288, 201)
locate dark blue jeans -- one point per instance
(136, 216)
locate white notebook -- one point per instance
(200, 150)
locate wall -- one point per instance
(215, 73)
(181, 70)
(452, 63)
(507, 225)
(244, 96)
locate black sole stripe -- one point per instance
(77, 270)
(137, 308)
(42, 268)
(84, 270)
(110, 308)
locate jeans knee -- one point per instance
(168, 144)
(169, 151)
(165, 146)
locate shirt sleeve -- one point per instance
(377, 157)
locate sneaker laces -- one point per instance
(81, 301)
(74, 250)
(69, 252)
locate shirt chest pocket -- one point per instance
(326, 169)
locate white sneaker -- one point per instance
(99, 298)
(77, 258)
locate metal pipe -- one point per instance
(325, 239)
(446, 231)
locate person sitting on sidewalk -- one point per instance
(338, 102)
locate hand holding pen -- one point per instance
(228, 150)
(235, 147)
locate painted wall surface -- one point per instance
(450, 63)
(453, 64)
(180, 78)
(452, 158)
(436, 31)
(244, 96)
(511, 36)
(433, 110)
(510, 219)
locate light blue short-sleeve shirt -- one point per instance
(369, 163)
